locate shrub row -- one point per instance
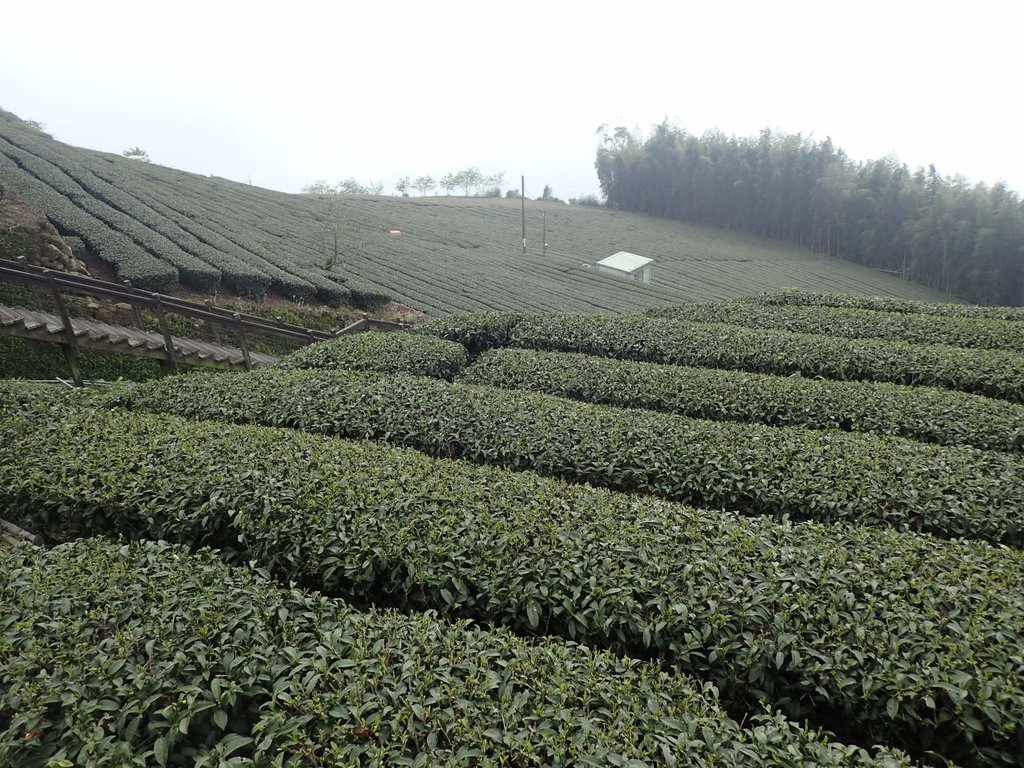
(395, 352)
(892, 638)
(996, 373)
(930, 414)
(825, 476)
(885, 304)
(173, 658)
(366, 297)
(476, 331)
(210, 236)
(45, 166)
(131, 262)
(120, 190)
(856, 323)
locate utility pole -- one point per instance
(544, 236)
(522, 197)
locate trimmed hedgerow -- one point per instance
(929, 414)
(476, 331)
(995, 373)
(366, 297)
(148, 654)
(857, 323)
(396, 352)
(131, 262)
(894, 638)
(41, 164)
(886, 304)
(818, 475)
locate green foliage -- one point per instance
(12, 245)
(895, 638)
(856, 323)
(477, 332)
(26, 359)
(16, 396)
(803, 474)
(938, 231)
(396, 352)
(890, 304)
(155, 655)
(347, 187)
(929, 414)
(995, 373)
(76, 244)
(424, 184)
(363, 296)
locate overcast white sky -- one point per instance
(288, 93)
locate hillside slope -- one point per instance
(158, 227)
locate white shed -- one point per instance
(628, 264)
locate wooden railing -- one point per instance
(243, 325)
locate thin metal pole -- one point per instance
(522, 197)
(544, 237)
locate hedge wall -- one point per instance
(929, 414)
(803, 474)
(391, 351)
(893, 638)
(995, 373)
(148, 654)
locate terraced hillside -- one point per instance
(843, 551)
(157, 226)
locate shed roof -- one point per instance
(625, 261)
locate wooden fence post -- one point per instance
(242, 342)
(135, 307)
(69, 347)
(171, 364)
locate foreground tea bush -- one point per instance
(825, 476)
(148, 654)
(857, 323)
(928, 414)
(892, 638)
(393, 352)
(995, 373)
(16, 395)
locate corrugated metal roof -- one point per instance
(625, 261)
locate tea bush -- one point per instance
(396, 352)
(929, 414)
(891, 637)
(149, 654)
(803, 474)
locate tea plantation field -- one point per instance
(652, 538)
(161, 227)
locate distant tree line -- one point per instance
(940, 231)
(469, 180)
(347, 187)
